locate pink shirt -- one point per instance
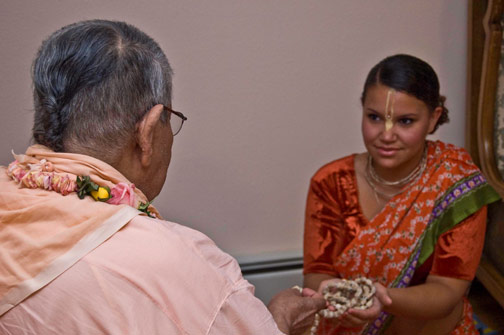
(151, 277)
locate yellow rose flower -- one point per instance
(103, 194)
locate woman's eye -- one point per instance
(406, 121)
(373, 117)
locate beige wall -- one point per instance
(271, 89)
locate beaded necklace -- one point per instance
(343, 295)
(376, 182)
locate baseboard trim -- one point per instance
(274, 265)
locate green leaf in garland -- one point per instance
(85, 186)
(144, 207)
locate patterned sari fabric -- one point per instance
(400, 238)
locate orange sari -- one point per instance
(400, 238)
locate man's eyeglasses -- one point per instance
(175, 122)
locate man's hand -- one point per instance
(294, 311)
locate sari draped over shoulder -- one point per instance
(403, 235)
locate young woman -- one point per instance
(409, 213)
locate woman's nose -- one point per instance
(388, 134)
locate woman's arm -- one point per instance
(326, 230)
(433, 300)
(457, 255)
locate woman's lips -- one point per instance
(383, 151)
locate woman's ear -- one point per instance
(434, 117)
(145, 133)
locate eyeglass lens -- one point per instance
(176, 124)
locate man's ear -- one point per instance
(145, 133)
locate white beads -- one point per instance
(297, 288)
(343, 295)
(314, 327)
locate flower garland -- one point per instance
(42, 175)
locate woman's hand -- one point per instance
(314, 280)
(327, 282)
(359, 317)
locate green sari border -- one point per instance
(461, 200)
(457, 211)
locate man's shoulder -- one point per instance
(167, 247)
(174, 276)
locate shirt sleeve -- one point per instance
(242, 313)
(458, 251)
(332, 217)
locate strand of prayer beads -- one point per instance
(342, 296)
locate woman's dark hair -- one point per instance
(409, 75)
(92, 82)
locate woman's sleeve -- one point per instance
(326, 231)
(458, 251)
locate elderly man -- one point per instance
(81, 248)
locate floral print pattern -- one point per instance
(390, 248)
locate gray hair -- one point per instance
(93, 81)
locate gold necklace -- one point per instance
(379, 193)
(406, 180)
(376, 182)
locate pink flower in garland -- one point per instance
(30, 180)
(39, 178)
(15, 171)
(123, 193)
(42, 175)
(47, 182)
(63, 184)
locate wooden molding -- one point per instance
(484, 51)
(475, 46)
(492, 279)
(488, 92)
